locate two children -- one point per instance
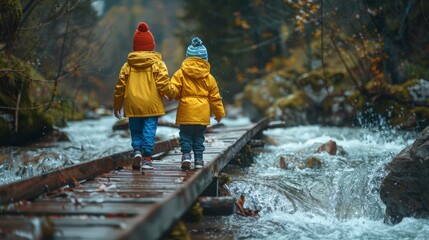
(143, 79)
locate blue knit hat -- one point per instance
(197, 49)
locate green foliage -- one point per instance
(263, 93)
(36, 81)
(16, 88)
(297, 100)
(178, 231)
(194, 214)
(244, 159)
(55, 38)
(415, 71)
(14, 82)
(244, 36)
(10, 15)
(224, 178)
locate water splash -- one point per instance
(338, 201)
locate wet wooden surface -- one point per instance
(107, 199)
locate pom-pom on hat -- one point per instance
(143, 39)
(197, 49)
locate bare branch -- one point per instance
(17, 111)
(423, 13)
(25, 75)
(325, 78)
(29, 108)
(344, 62)
(42, 24)
(60, 64)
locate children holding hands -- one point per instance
(142, 81)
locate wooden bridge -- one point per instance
(106, 199)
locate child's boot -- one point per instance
(198, 162)
(146, 163)
(136, 154)
(186, 161)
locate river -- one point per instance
(340, 200)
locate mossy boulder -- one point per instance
(31, 126)
(404, 105)
(330, 98)
(264, 92)
(292, 108)
(10, 17)
(20, 121)
(308, 98)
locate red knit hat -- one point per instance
(143, 39)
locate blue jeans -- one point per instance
(143, 133)
(192, 139)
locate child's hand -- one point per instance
(168, 99)
(218, 119)
(117, 113)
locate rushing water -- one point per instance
(90, 139)
(340, 200)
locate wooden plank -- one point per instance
(33, 187)
(15, 227)
(140, 204)
(86, 232)
(98, 187)
(70, 208)
(115, 180)
(102, 198)
(90, 196)
(91, 228)
(19, 227)
(153, 224)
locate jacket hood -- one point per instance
(143, 59)
(195, 67)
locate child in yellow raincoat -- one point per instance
(198, 93)
(143, 79)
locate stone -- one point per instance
(282, 162)
(286, 161)
(313, 162)
(329, 147)
(405, 189)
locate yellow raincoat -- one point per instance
(198, 92)
(142, 81)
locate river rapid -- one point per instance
(339, 200)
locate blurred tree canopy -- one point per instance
(115, 31)
(380, 46)
(43, 46)
(60, 57)
(243, 37)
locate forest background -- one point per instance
(303, 61)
